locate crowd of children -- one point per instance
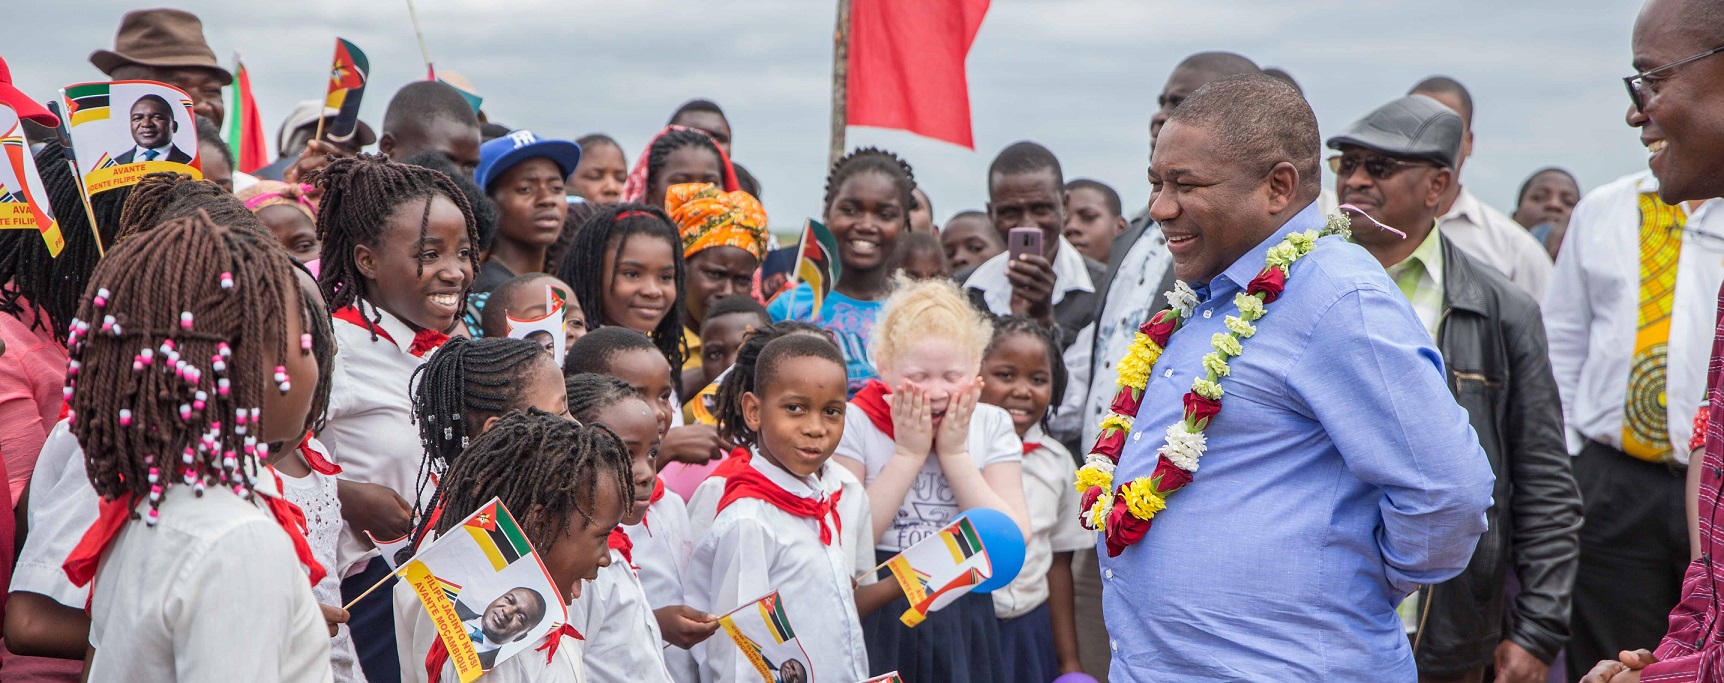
(248, 397)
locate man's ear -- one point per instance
(1282, 185)
(1439, 183)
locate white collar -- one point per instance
(1465, 206)
(812, 487)
(1071, 273)
(397, 329)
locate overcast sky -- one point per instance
(1079, 76)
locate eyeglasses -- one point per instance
(1378, 167)
(1637, 83)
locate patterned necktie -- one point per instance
(150, 155)
(1645, 415)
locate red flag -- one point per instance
(906, 66)
(245, 123)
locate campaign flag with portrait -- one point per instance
(763, 632)
(486, 591)
(123, 130)
(23, 201)
(546, 330)
(940, 568)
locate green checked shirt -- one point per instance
(1420, 278)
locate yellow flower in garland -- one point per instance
(1238, 325)
(1250, 306)
(1226, 344)
(1207, 389)
(1098, 512)
(1091, 475)
(1304, 242)
(1134, 368)
(1281, 255)
(1141, 498)
(1116, 421)
(1215, 365)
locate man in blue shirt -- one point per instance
(1339, 475)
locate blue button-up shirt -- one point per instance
(1340, 475)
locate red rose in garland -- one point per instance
(1123, 528)
(1127, 401)
(1168, 477)
(1200, 410)
(1269, 283)
(1160, 328)
(1110, 443)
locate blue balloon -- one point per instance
(1004, 543)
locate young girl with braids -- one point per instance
(399, 249)
(1022, 373)
(867, 206)
(677, 155)
(635, 606)
(193, 352)
(928, 451)
(568, 485)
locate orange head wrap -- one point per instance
(708, 217)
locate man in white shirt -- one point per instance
(1480, 230)
(1630, 384)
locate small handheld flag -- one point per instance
(245, 134)
(123, 130)
(23, 201)
(545, 329)
(763, 633)
(981, 550)
(816, 264)
(347, 78)
(886, 678)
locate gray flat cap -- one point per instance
(1413, 127)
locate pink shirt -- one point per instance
(32, 379)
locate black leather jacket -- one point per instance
(1493, 345)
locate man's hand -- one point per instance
(1032, 278)
(373, 508)
(684, 626)
(334, 616)
(1624, 669)
(692, 444)
(317, 155)
(1515, 665)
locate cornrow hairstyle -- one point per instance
(791, 347)
(594, 350)
(543, 467)
(360, 195)
(32, 279)
(583, 267)
(484, 210)
(872, 160)
(160, 197)
(166, 373)
(740, 379)
(672, 141)
(590, 394)
(459, 387)
(1009, 325)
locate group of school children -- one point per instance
(237, 434)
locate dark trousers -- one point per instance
(372, 622)
(1633, 552)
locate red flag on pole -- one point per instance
(245, 134)
(906, 66)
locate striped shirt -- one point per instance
(1420, 277)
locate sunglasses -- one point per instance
(1378, 167)
(1637, 84)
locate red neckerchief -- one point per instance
(315, 459)
(657, 495)
(80, 566)
(748, 482)
(872, 400)
(439, 655)
(735, 462)
(424, 341)
(620, 542)
(1030, 447)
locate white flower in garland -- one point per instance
(1250, 307)
(1182, 298)
(1240, 327)
(1207, 389)
(1226, 344)
(1215, 364)
(1183, 448)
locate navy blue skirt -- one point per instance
(1028, 642)
(372, 622)
(960, 643)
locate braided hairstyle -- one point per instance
(590, 394)
(465, 383)
(544, 468)
(160, 197)
(360, 195)
(484, 210)
(1010, 325)
(872, 160)
(50, 287)
(740, 379)
(659, 155)
(167, 375)
(583, 267)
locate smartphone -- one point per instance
(1023, 241)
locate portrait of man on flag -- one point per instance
(122, 130)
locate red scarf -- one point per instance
(315, 459)
(735, 462)
(873, 403)
(748, 482)
(657, 495)
(81, 565)
(1030, 447)
(439, 655)
(424, 341)
(620, 542)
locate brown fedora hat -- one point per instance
(163, 38)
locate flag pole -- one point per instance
(840, 72)
(413, 14)
(65, 134)
(796, 268)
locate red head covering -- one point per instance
(635, 189)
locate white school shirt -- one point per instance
(414, 634)
(316, 497)
(929, 505)
(369, 427)
(754, 548)
(1591, 315)
(1493, 238)
(853, 514)
(63, 505)
(212, 592)
(623, 642)
(662, 544)
(1050, 479)
(1071, 274)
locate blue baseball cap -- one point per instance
(503, 153)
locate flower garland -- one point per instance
(1123, 515)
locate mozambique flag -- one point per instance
(21, 166)
(494, 529)
(461, 85)
(347, 78)
(86, 103)
(450, 588)
(817, 262)
(245, 133)
(7, 196)
(961, 540)
(772, 612)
